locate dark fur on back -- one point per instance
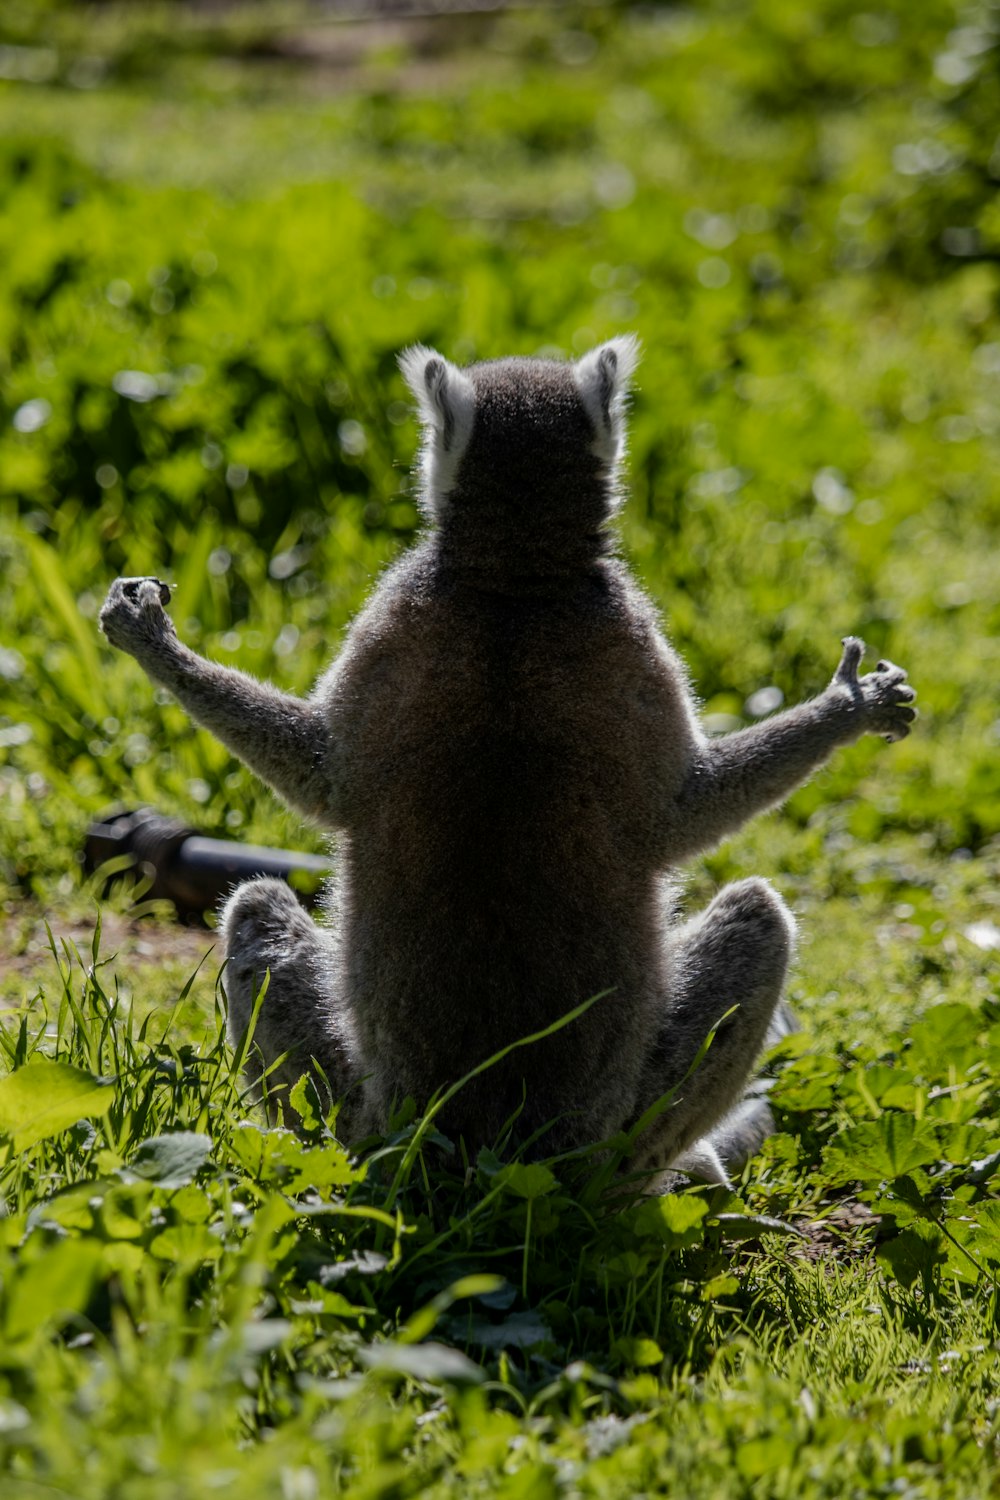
(504, 703)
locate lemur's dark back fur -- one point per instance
(499, 863)
(502, 705)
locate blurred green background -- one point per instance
(221, 222)
(218, 225)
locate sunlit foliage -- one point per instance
(218, 227)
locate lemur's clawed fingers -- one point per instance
(887, 697)
(890, 671)
(888, 685)
(902, 718)
(133, 617)
(880, 699)
(850, 661)
(146, 590)
(902, 727)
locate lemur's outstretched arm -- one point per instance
(283, 739)
(733, 777)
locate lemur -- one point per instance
(509, 753)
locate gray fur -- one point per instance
(510, 754)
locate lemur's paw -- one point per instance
(883, 697)
(133, 617)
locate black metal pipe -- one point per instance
(194, 872)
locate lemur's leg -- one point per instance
(265, 932)
(742, 1132)
(735, 954)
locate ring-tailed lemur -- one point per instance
(509, 752)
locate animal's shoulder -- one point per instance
(423, 620)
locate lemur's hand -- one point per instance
(133, 617)
(882, 699)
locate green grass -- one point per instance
(187, 1295)
(795, 208)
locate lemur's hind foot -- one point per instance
(268, 938)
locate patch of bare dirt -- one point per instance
(846, 1233)
(135, 943)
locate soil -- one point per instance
(136, 942)
(846, 1233)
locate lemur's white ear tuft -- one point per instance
(603, 378)
(446, 399)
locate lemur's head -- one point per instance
(535, 443)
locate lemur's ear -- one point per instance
(446, 397)
(603, 379)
